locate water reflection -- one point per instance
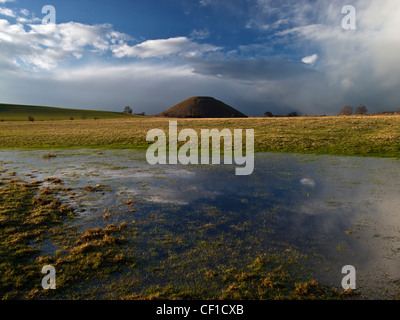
(346, 209)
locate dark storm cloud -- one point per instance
(254, 69)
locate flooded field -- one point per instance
(202, 232)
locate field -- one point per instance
(376, 136)
(94, 216)
(9, 112)
(68, 200)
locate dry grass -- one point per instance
(354, 135)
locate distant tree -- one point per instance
(128, 109)
(30, 118)
(292, 114)
(268, 114)
(361, 109)
(346, 111)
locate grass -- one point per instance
(31, 217)
(104, 261)
(101, 262)
(9, 112)
(377, 136)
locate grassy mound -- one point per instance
(202, 107)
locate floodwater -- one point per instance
(345, 210)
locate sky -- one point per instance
(279, 56)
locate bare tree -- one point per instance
(346, 111)
(128, 109)
(361, 109)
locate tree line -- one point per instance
(349, 110)
(345, 111)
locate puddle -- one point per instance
(345, 211)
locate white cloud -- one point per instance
(24, 20)
(45, 46)
(308, 182)
(25, 12)
(7, 12)
(204, 3)
(273, 14)
(161, 48)
(310, 59)
(200, 34)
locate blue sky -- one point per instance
(256, 55)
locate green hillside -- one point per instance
(9, 112)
